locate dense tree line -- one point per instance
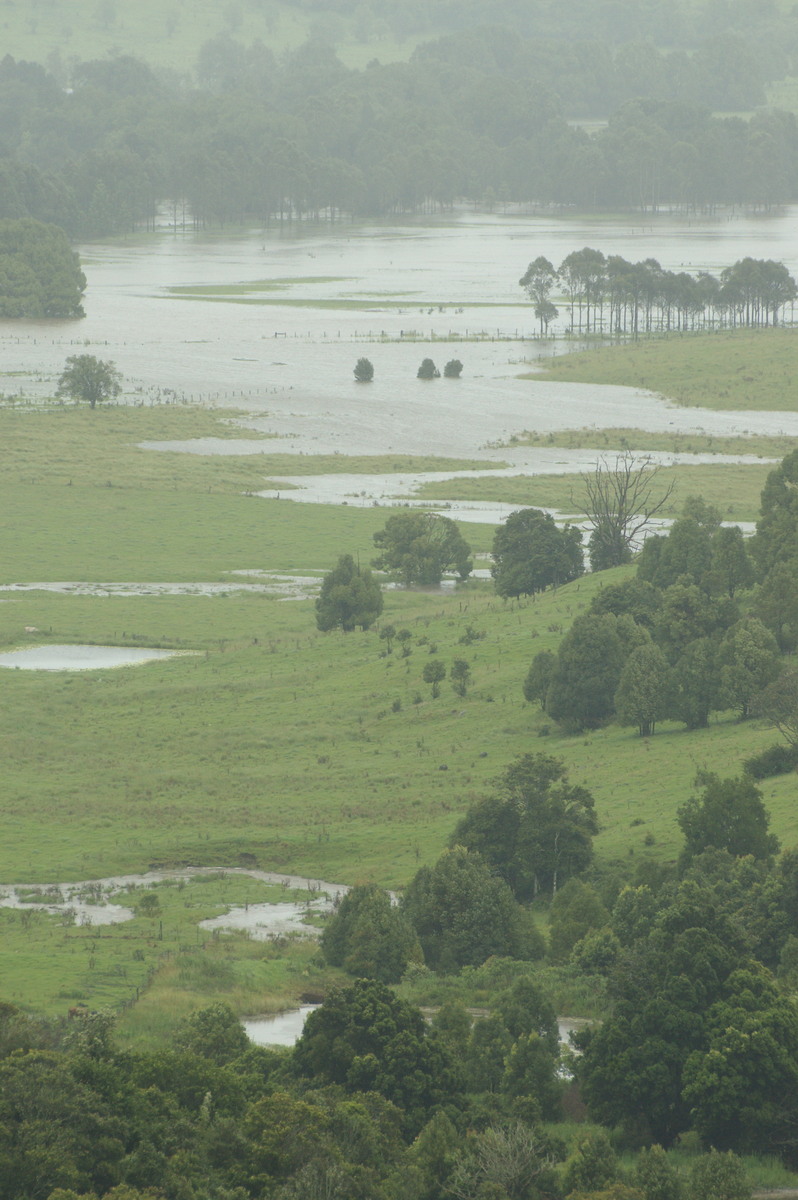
(476, 115)
(609, 294)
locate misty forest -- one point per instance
(399, 600)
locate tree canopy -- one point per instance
(87, 378)
(40, 273)
(350, 597)
(420, 547)
(530, 553)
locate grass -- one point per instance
(735, 491)
(619, 439)
(733, 370)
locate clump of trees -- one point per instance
(350, 597)
(40, 273)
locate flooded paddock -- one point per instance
(81, 658)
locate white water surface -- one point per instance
(81, 658)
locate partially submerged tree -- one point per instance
(350, 596)
(453, 369)
(364, 370)
(428, 370)
(620, 500)
(85, 377)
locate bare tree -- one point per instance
(620, 499)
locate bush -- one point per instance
(776, 760)
(364, 370)
(428, 370)
(453, 369)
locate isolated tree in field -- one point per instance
(419, 546)
(536, 830)
(530, 553)
(428, 370)
(460, 674)
(434, 673)
(620, 499)
(88, 378)
(538, 280)
(453, 369)
(349, 597)
(364, 370)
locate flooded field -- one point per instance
(81, 658)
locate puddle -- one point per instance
(265, 921)
(81, 658)
(283, 1030)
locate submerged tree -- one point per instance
(620, 500)
(453, 369)
(428, 370)
(364, 370)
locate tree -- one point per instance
(515, 1160)
(462, 912)
(590, 660)
(530, 553)
(538, 280)
(459, 674)
(214, 1033)
(717, 1176)
(749, 661)
(40, 273)
(428, 370)
(536, 830)
(731, 569)
(88, 378)
(776, 604)
(730, 815)
(420, 546)
(575, 911)
(593, 1164)
(364, 370)
(349, 597)
(644, 694)
(453, 369)
(620, 500)
(538, 678)
(655, 1176)
(434, 673)
(369, 936)
(778, 704)
(364, 1038)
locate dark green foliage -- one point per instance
(365, 1039)
(40, 274)
(428, 370)
(729, 814)
(530, 554)
(462, 913)
(538, 678)
(776, 604)
(453, 369)
(508, 1160)
(776, 538)
(731, 569)
(434, 673)
(685, 555)
(655, 1176)
(368, 936)
(575, 911)
(90, 379)
(778, 704)
(460, 673)
(645, 691)
(536, 830)
(592, 1166)
(525, 1010)
(696, 683)
(214, 1033)
(634, 598)
(590, 662)
(420, 546)
(776, 760)
(717, 1176)
(597, 952)
(364, 370)
(530, 1074)
(350, 597)
(749, 660)
(686, 615)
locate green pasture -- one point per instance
(619, 439)
(271, 745)
(172, 35)
(743, 369)
(734, 489)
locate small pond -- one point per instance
(80, 658)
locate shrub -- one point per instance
(776, 760)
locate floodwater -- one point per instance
(286, 1028)
(90, 901)
(284, 587)
(290, 361)
(81, 658)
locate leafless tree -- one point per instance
(620, 498)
